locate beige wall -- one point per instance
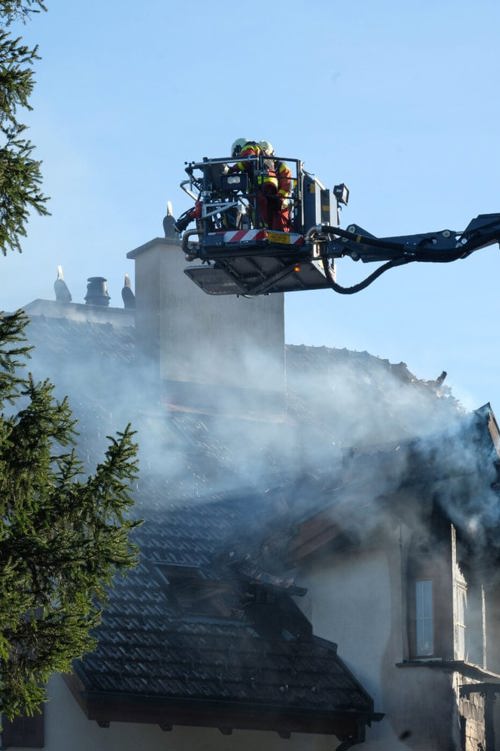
(357, 600)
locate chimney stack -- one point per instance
(233, 345)
(97, 291)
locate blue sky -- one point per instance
(397, 99)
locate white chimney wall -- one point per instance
(205, 339)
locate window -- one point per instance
(438, 610)
(424, 618)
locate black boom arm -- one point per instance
(443, 246)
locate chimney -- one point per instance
(97, 291)
(233, 345)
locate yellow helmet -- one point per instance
(237, 146)
(267, 148)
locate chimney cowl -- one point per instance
(97, 291)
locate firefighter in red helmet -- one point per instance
(281, 209)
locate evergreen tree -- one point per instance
(62, 535)
(20, 176)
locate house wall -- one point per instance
(472, 713)
(358, 600)
(67, 729)
(205, 339)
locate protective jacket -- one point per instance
(284, 175)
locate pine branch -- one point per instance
(63, 535)
(20, 173)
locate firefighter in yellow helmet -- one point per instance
(237, 146)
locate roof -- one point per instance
(357, 399)
(191, 624)
(452, 474)
(348, 398)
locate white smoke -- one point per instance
(346, 423)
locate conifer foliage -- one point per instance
(20, 175)
(62, 534)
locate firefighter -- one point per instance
(263, 188)
(237, 146)
(281, 212)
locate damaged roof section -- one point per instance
(200, 635)
(452, 474)
(356, 399)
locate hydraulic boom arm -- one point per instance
(436, 247)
